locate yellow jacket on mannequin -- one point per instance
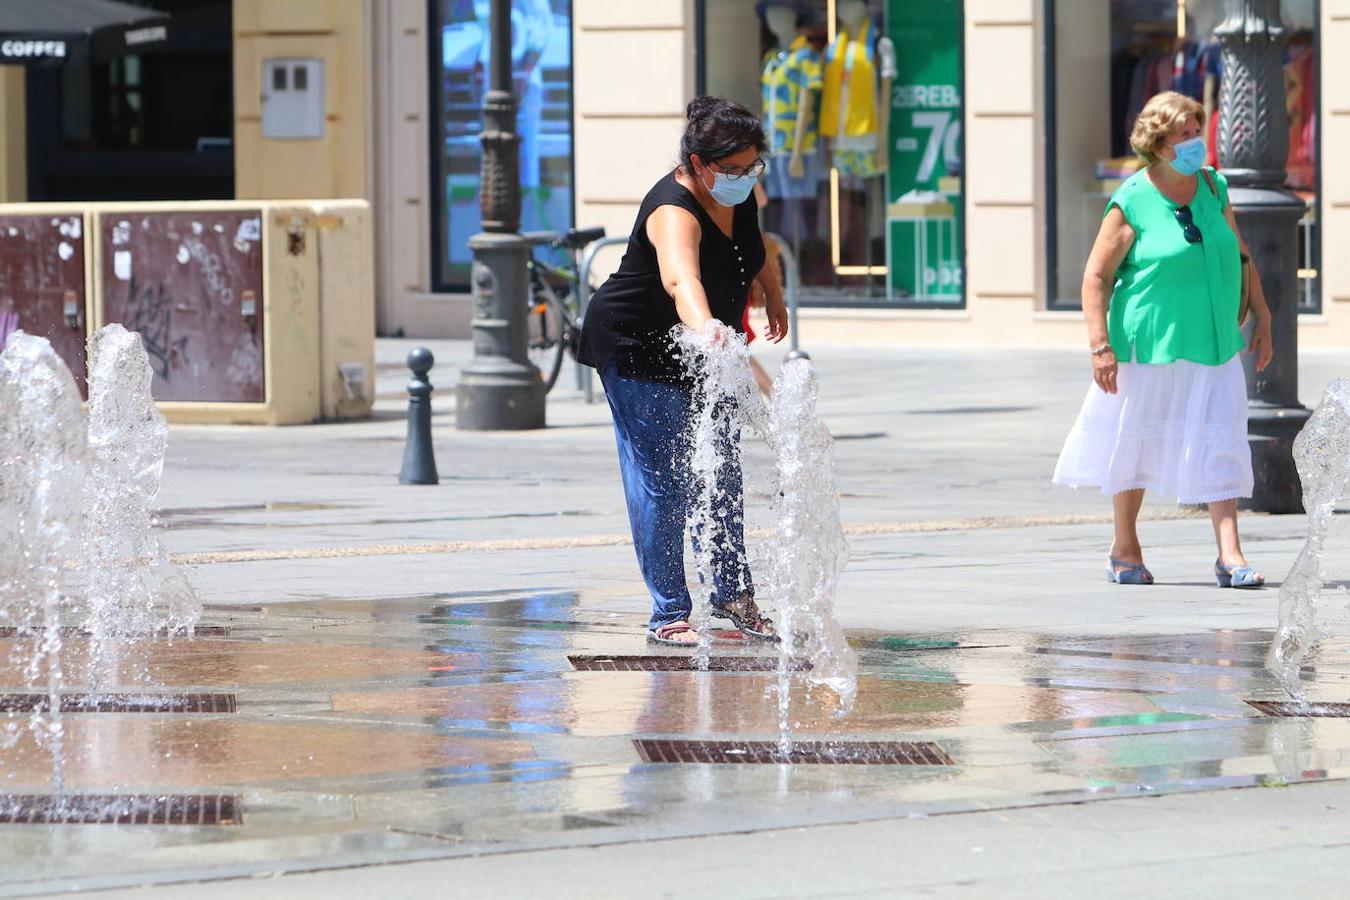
(850, 86)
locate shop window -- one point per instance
(144, 126)
(542, 80)
(1103, 60)
(862, 102)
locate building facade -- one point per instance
(191, 191)
(938, 169)
(1003, 122)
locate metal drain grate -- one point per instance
(112, 809)
(1290, 709)
(10, 631)
(680, 664)
(121, 703)
(866, 753)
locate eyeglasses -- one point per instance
(1188, 229)
(754, 170)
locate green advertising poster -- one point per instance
(923, 212)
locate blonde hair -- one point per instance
(1162, 116)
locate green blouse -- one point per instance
(1172, 299)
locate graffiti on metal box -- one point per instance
(149, 311)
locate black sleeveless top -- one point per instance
(629, 318)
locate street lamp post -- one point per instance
(500, 389)
(1254, 149)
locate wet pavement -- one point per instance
(405, 730)
(400, 664)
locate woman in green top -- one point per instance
(1168, 407)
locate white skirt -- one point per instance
(1178, 429)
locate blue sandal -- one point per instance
(1237, 576)
(1130, 573)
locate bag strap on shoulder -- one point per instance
(1209, 181)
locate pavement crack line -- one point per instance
(857, 529)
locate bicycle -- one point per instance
(553, 317)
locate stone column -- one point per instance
(500, 389)
(1253, 150)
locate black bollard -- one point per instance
(419, 458)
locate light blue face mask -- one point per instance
(732, 192)
(1190, 156)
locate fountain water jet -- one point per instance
(131, 588)
(42, 471)
(1322, 454)
(724, 401)
(807, 550)
(76, 541)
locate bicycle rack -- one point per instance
(792, 285)
(584, 380)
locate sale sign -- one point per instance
(923, 179)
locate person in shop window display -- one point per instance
(855, 107)
(694, 254)
(1167, 410)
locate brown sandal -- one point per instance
(745, 615)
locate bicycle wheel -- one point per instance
(545, 335)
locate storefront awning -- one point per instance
(54, 31)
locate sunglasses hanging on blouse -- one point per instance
(1188, 228)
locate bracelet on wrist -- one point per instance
(1101, 348)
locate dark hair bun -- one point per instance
(718, 128)
(701, 107)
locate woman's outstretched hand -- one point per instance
(778, 321)
(715, 331)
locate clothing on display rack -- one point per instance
(1300, 83)
(1140, 71)
(787, 73)
(1211, 65)
(1188, 73)
(1151, 74)
(1300, 80)
(1141, 74)
(848, 113)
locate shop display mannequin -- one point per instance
(855, 117)
(791, 83)
(856, 106)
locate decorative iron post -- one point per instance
(419, 456)
(500, 389)
(1253, 150)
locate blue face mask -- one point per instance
(1190, 156)
(729, 192)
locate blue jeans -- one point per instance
(650, 428)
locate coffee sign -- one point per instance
(31, 50)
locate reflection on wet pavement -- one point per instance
(454, 724)
(235, 751)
